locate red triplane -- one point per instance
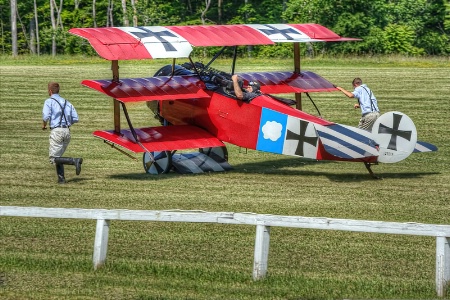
(197, 114)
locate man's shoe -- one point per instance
(61, 179)
(77, 163)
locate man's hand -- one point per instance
(356, 105)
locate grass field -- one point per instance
(52, 258)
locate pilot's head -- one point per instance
(253, 86)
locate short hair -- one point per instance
(357, 81)
(53, 87)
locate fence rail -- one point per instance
(261, 221)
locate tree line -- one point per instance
(419, 27)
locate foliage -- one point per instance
(422, 26)
(398, 39)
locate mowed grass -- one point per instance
(52, 258)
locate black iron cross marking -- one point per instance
(158, 35)
(283, 32)
(395, 132)
(301, 138)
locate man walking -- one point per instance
(366, 101)
(59, 114)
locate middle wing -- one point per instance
(191, 87)
(153, 88)
(289, 82)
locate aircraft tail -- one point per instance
(396, 136)
(393, 138)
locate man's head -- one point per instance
(53, 88)
(253, 86)
(357, 82)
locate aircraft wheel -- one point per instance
(217, 153)
(158, 162)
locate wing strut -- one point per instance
(215, 57)
(298, 96)
(318, 111)
(234, 60)
(133, 132)
(115, 73)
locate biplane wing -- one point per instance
(289, 82)
(191, 87)
(148, 42)
(152, 88)
(161, 138)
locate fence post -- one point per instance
(100, 243)
(261, 251)
(442, 264)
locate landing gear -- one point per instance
(158, 162)
(217, 153)
(368, 167)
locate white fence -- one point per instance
(262, 223)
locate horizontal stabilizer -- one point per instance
(161, 138)
(424, 147)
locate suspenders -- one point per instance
(62, 112)
(372, 106)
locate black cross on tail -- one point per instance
(301, 138)
(395, 132)
(158, 35)
(283, 32)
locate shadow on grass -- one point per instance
(290, 167)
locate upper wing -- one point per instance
(123, 43)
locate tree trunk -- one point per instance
(249, 47)
(219, 11)
(32, 37)
(126, 23)
(53, 21)
(14, 28)
(38, 44)
(94, 14)
(203, 15)
(203, 18)
(135, 18)
(109, 14)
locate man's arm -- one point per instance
(237, 89)
(347, 93)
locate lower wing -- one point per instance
(161, 138)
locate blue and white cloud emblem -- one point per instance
(283, 134)
(272, 130)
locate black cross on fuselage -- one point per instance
(158, 35)
(301, 138)
(394, 131)
(283, 32)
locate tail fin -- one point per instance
(396, 135)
